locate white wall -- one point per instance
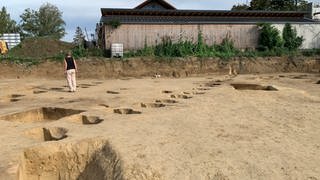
(12, 39)
(310, 33)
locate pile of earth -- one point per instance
(43, 47)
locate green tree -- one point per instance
(260, 5)
(240, 7)
(291, 40)
(47, 21)
(283, 5)
(7, 25)
(301, 5)
(278, 5)
(79, 37)
(30, 23)
(269, 38)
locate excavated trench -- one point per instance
(253, 87)
(180, 96)
(169, 101)
(87, 120)
(47, 134)
(152, 105)
(89, 159)
(41, 114)
(126, 111)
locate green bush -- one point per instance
(201, 48)
(95, 52)
(270, 44)
(291, 41)
(269, 38)
(79, 51)
(20, 60)
(226, 49)
(310, 52)
(169, 49)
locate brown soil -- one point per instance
(40, 48)
(126, 111)
(41, 114)
(225, 133)
(83, 160)
(91, 120)
(181, 96)
(222, 134)
(152, 105)
(253, 87)
(106, 68)
(47, 134)
(169, 101)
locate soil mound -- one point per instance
(40, 48)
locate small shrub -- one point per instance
(79, 51)
(269, 38)
(248, 53)
(146, 51)
(226, 49)
(270, 42)
(310, 52)
(95, 52)
(201, 48)
(291, 41)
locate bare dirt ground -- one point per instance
(198, 128)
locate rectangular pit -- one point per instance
(41, 114)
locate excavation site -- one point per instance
(160, 90)
(210, 126)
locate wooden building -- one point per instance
(149, 22)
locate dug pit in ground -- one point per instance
(47, 134)
(41, 114)
(83, 160)
(224, 134)
(253, 87)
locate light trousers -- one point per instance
(71, 78)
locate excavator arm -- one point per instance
(3, 47)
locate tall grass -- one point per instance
(225, 50)
(185, 48)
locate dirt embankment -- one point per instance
(139, 67)
(40, 47)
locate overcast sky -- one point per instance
(86, 13)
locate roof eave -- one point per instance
(164, 3)
(106, 11)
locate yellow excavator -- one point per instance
(3, 47)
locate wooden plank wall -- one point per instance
(135, 36)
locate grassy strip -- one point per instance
(225, 50)
(77, 53)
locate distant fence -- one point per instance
(11, 39)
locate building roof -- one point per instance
(163, 3)
(200, 20)
(159, 11)
(200, 16)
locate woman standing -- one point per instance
(70, 67)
